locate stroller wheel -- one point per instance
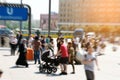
(54, 69)
(49, 70)
(41, 68)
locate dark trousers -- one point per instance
(89, 75)
(37, 56)
(13, 48)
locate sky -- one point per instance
(38, 6)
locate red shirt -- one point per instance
(64, 51)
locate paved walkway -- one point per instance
(109, 65)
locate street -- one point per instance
(109, 68)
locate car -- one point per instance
(5, 32)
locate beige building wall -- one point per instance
(89, 11)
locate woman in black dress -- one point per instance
(22, 56)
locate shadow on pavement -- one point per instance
(53, 74)
(14, 67)
(118, 63)
(39, 73)
(45, 73)
(6, 55)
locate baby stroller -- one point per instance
(49, 63)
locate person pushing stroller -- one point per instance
(49, 63)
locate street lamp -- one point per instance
(49, 18)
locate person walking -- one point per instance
(51, 45)
(36, 47)
(30, 41)
(58, 44)
(13, 44)
(43, 42)
(22, 56)
(63, 52)
(1, 72)
(2, 41)
(88, 62)
(19, 37)
(71, 53)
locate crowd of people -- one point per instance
(66, 50)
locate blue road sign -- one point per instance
(13, 13)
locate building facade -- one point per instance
(89, 11)
(44, 21)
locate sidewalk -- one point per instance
(4, 48)
(11, 72)
(109, 68)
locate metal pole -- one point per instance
(21, 2)
(29, 20)
(21, 21)
(49, 19)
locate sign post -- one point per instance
(13, 13)
(16, 12)
(49, 19)
(21, 21)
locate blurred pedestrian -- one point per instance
(63, 52)
(36, 47)
(74, 45)
(30, 41)
(38, 33)
(88, 62)
(2, 41)
(71, 53)
(43, 42)
(13, 44)
(22, 56)
(51, 45)
(58, 44)
(19, 37)
(48, 39)
(1, 72)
